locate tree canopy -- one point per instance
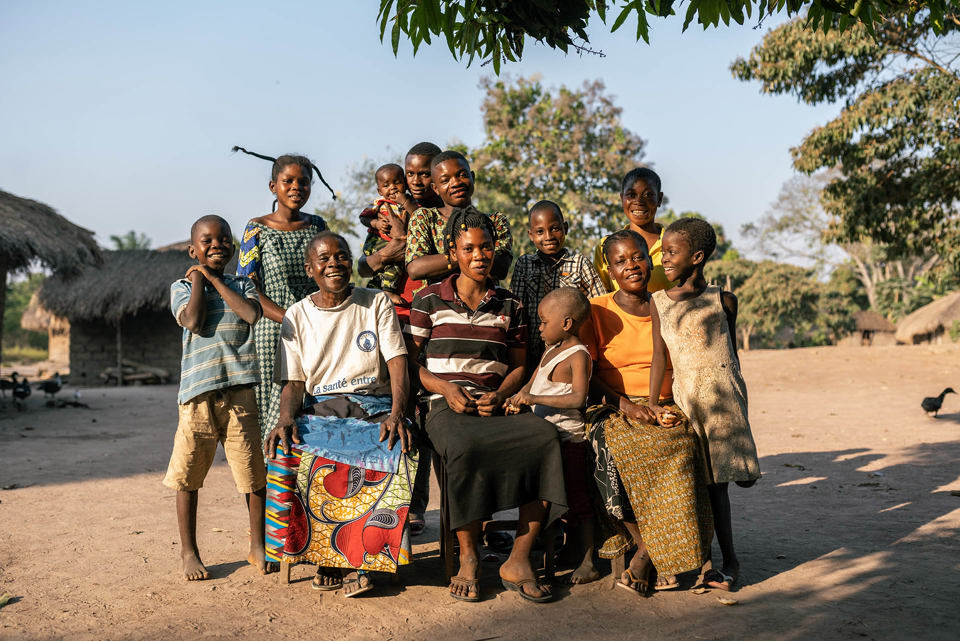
(561, 144)
(797, 227)
(496, 30)
(895, 146)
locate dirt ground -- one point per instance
(853, 533)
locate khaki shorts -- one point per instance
(227, 416)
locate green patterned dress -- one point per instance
(274, 259)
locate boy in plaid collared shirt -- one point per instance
(550, 267)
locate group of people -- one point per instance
(605, 392)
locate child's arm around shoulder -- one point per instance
(730, 306)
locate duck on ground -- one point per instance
(934, 403)
(21, 390)
(8, 384)
(51, 386)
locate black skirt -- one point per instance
(496, 462)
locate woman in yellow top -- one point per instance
(651, 478)
(640, 196)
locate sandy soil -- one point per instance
(852, 534)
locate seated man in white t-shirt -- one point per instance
(342, 358)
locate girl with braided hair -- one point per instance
(467, 343)
(271, 254)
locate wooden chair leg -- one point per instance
(285, 572)
(618, 566)
(549, 535)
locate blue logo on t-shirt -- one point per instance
(367, 341)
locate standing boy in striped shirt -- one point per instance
(551, 267)
(216, 401)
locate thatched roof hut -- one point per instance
(127, 282)
(120, 312)
(929, 323)
(33, 231)
(868, 320)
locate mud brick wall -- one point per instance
(151, 338)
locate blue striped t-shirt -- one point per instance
(223, 354)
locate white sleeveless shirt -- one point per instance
(569, 421)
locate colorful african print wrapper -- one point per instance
(338, 515)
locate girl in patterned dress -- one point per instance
(271, 254)
(697, 324)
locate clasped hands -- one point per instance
(460, 401)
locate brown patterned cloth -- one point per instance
(663, 484)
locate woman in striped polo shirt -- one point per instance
(469, 339)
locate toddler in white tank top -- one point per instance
(557, 392)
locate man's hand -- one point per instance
(395, 427)
(285, 432)
(393, 251)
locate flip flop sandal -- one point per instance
(518, 587)
(327, 587)
(472, 585)
(720, 581)
(644, 585)
(672, 585)
(360, 589)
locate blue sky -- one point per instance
(121, 115)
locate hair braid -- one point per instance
(463, 219)
(288, 159)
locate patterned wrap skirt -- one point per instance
(656, 477)
(336, 514)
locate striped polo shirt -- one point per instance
(223, 354)
(464, 346)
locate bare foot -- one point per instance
(586, 573)
(467, 588)
(516, 571)
(193, 568)
(257, 558)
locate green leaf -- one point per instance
(395, 37)
(385, 6)
(643, 27)
(621, 18)
(691, 13)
